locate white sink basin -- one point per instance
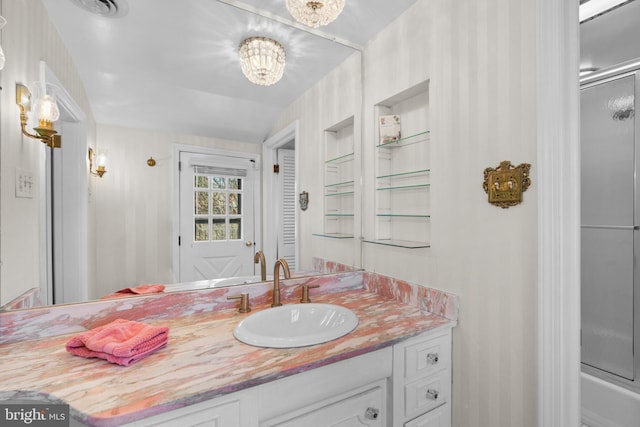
(296, 325)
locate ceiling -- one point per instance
(173, 65)
(611, 38)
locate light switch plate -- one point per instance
(24, 183)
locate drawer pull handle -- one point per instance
(432, 394)
(371, 413)
(432, 358)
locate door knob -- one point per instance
(371, 413)
(248, 243)
(432, 394)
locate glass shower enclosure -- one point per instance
(610, 229)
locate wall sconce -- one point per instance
(101, 161)
(46, 112)
(3, 22)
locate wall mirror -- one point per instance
(159, 75)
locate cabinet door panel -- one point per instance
(203, 414)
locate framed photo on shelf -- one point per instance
(389, 127)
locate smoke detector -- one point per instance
(107, 8)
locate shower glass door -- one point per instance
(609, 225)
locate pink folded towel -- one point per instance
(138, 290)
(121, 341)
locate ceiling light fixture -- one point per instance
(106, 8)
(592, 8)
(315, 13)
(262, 60)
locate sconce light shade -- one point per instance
(315, 13)
(45, 105)
(262, 60)
(3, 22)
(45, 109)
(100, 157)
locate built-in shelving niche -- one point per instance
(403, 172)
(339, 181)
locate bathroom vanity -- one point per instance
(350, 392)
(392, 370)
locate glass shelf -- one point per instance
(340, 184)
(344, 193)
(334, 235)
(399, 243)
(338, 214)
(405, 174)
(339, 159)
(392, 215)
(404, 187)
(407, 140)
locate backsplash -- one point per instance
(427, 299)
(49, 321)
(431, 300)
(29, 299)
(325, 266)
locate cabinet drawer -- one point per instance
(426, 357)
(363, 407)
(426, 394)
(437, 418)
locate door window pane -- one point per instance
(201, 230)
(218, 182)
(235, 204)
(219, 229)
(202, 203)
(201, 181)
(235, 228)
(235, 183)
(218, 202)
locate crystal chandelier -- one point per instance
(262, 60)
(315, 13)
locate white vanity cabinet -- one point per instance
(408, 385)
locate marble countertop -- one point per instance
(201, 361)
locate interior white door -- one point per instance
(216, 217)
(69, 215)
(287, 206)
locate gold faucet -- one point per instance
(276, 280)
(259, 258)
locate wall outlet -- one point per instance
(24, 183)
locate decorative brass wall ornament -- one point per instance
(506, 183)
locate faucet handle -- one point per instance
(244, 302)
(305, 293)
